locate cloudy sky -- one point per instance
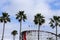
(48, 8)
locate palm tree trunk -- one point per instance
(13, 37)
(56, 32)
(3, 31)
(38, 32)
(20, 30)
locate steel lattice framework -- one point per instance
(44, 35)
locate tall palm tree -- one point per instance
(21, 17)
(4, 19)
(39, 19)
(54, 22)
(14, 33)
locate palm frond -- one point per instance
(24, 16)
(55, 18)
(8, 19)
(52, 20)
(19, 20)
(36, 22)
(1, 20)
(43, 21)
(17, 16)
(58, 18)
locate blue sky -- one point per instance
(55, 5)
(48, 8)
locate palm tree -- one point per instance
(54, 22)
(39, 19)
(21, 17)
(4, 19)
(14, 32)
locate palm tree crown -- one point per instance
(39, 19)
(21, 16)
(14, 32)
(55, 21)
(4, 18)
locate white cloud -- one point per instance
(28, 6)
